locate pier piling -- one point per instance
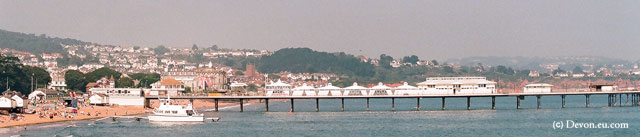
(518, 102)
(620, 99)
(317, 104)
(241, 105)
(367, 104)
(266, 105)
(587, 99)
(342, 107)
(493, 102)
(393, 104)
(291, 109)
(539, 104)
(418, 106)
(443, 102)
(563, 99)
(215, 104)
(609, 100)
(468, 103)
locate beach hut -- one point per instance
(329, 90)
(37, 95)
(278, 88)
(355, 90)
(7, 103)
(19, 101)
(380, 89)
(407, 89)
(304, 90)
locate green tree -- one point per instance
(252, 87)
(102, 72)
(239, 73)
(160, 50)
(146, 79)
(75, 80)
(124, 83)
(435, 62)
(385, 61)
(187, 89)
(413, 59)
(578, 69)
(194, 47)
(559, 70)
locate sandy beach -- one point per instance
(89, 112)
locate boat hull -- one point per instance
(177, 118)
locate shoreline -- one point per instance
(120, 111)
(32, 119)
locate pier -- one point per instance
(615, 99)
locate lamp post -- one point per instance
(32, 74)
(5, 73)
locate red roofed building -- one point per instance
(167, 86)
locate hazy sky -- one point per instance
(430, 29)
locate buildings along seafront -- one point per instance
(431, 86)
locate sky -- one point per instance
(439, 29)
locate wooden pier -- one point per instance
(614, 99)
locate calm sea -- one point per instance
(381, 121)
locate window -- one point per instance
(174, 112)
(482, 85)
(431, 86)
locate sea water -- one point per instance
(456, 120)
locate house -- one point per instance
(58, 83)
(537, 88)
(102, 83)
(167, 86)
(562, 75)
(99, 99)
(534, 73)
(577, 75)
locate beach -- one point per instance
(93, 112)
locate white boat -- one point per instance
(175, 113)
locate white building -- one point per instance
(58, 83)
(278, 89)
(407, 89)
(329, 90)
(457, 85)
(99, 99)
(380, 89)
(537, 88)
(37, 95)
(304, 90)
(120, 96)
(7, 103)
(355, 90)
(19, 101)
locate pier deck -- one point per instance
(615, 97)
